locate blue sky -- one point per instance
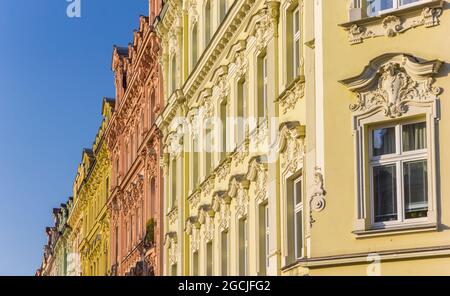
(54, 71)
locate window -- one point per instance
(263, 88)
(398, 168)
(152, 115)
(295, 219)
(208, 19)
(194, 43)
(241, 110)
(195, 163)
(195, 264)
(224, 253)
(132, 225)
(223, 8)
(152, 196)
(106, 188)
(243, 247)
(173, 270)
(173, 74)
(296, 41)
(208, 148)
(138, 223)
(117, 171)
(127, 241)
(264, 239)
(223, 132)
(174, 182)
(374, 7)
(117, 244)
(209, 258)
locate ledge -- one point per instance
(404, 229)
(394, 22)
(396, 12)
(365, 258)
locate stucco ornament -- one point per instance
(291, 146)
(393, 82)
(238, 190)
(394, 24)
(175, 141)
(241, 62)
(317, 200)
(257, 173)
(192, 229)
(292, 96)
(172, 246)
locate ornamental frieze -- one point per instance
(238, 190)
(257, 173)
(394, 24)
(288, 100)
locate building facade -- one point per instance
(93, 194)
(268, 194)
(55, 259)
(382, 128)
(134, 146)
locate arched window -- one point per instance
(194, 42)
(208, 19)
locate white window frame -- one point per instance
(267, 235)
(396, 5)
(298, 208)
(265, 89)
(296, 38)
(398, 158)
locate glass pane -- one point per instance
(296, 21)
(416, 189)
(404, 2)
(383, 141)
(414, 136)
(375, 6)
(298, 192)
(385, 193)
(298, 234)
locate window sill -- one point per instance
(401, 229)
(393, 22)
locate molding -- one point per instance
(395, 22)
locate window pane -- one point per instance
(298, 192)
(296, 21)
(385, 193)
(416, 189)
(298, 234)
(383, 141)
(404, 2)
(375, 6)
(414, 136)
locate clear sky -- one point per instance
(54, 71)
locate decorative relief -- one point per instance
(223, 170)
(392, 82)
(206, 220)
(192, 229)
(173, 215)
(241, 153)
(257, 173)
(291, 146)
(194, 200)
(292, 96)
(393, 25)
(317, 200)
(172, 246)
(238, 189)
(241, 62)
(175, 147)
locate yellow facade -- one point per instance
(89, 218)
(306, 185)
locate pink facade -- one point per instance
(134, 143)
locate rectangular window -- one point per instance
(195, 163)
(224, 253)
(117, 244)
(298, 218)
(195, 264)
(243, 247)
(209, 259)
(223, 132)
(174, 182)
(399, 179)
(375, 7)
(223, 8)
(173, 270)
(241, 111)
(263, 88)
(264, 239)
(296, 41)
